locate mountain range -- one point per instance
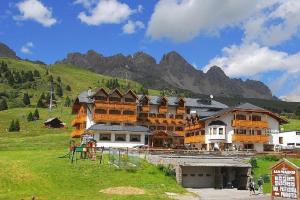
(172, 72)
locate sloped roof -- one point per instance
(246, 107)
(104, 127)
(83, 97)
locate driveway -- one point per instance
(224, 194)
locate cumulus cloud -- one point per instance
(86, 3)
(35, 10)
(106, 12)
(267, 22)
(26, 48)
(182, 20)
(252, 59)
(132, 26)
(293, 96)
(274, 26)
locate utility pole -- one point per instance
(51, 94)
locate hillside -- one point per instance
(78, 79)
(172, 71)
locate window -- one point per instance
(128, 112)
(116, 99)
(221, 131)
(196, 132)
(152, 115)
(100, 111)
(135, 138)
(280, 140)
(297, 144)
(161, 116)
(170, 128)
(215, 131)
(152, 128)
(298, 133)
(105, 137)
(115, 112)
(240, 131)
(258, 132)
(240, 117)
(143, 115)
(113, 123)
(290, 144)
(129, 124)
(178, 116)
(129, 100)
(101, 98)
(256, 118)
(179, 128)
(120, 137)
(161, 128)
(202, 132)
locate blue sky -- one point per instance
(257, 39)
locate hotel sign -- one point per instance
(285, 180)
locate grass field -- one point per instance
(30, 166)
(293, 125)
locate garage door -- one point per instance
(198, 177)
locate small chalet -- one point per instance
(54, 123)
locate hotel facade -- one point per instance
(116, 119)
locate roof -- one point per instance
(104, 127)
(51, 119)
(189, 102)
(217, 122)
(246, 107)
(84, 98)
(293, 163)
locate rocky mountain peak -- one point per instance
(216, 71)
(7, 52)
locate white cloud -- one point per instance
(35, 10)
(140, 9)
(106, 12)
(252, 59)
(131, 26)
(86, 3)
(276, 25)
(293, 96)
(266, 22)
(182, 20)
(26, 49)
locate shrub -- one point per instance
(17, 125)
(167, 170)
(271, 158)
(36, 114)
(30, 117)
(3, 105)
(26, 99)
(266, 178)
(253, 162)
(11, 126)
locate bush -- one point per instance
(167, 170)
(3, 105)
(30, 117)
(253, 162)
(36, 115)
(266, 178)
(271, 158)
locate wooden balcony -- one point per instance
(181, 133)
(162, 109)
(250, 124)
(194, 139)
(180, 110)
(79, 120)
(77, 133)
(145, 108)
(115, 105)
(115, 118)
(166, 121)
(251, 138)
(193, 127)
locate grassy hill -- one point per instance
(78, 79)
(30, 165)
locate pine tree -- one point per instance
(36, 115)
(59, 91)
(3, 105)
(40, 103)
(36, 73)
(29, 76)
(68, 88)
(17, 125)
(297, 112)
(67, 102)
(50, 79)
(30, 117)
(11, 126)
(58, 79)
(26, 99)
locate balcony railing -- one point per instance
(77, 133)
(114, 118)
(192, 127)
(79, 120)
(251, 138)
(116, 105)
(172, 121)
(180, 110)
(181, 133)
(162, 109)
(250, 124)
(145, 108)
(194, 139)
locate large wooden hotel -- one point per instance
(116, 119)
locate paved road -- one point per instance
(227, 194)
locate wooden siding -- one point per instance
(250, 124)
(194, 139)
(250, 138)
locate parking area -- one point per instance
(232, 194)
